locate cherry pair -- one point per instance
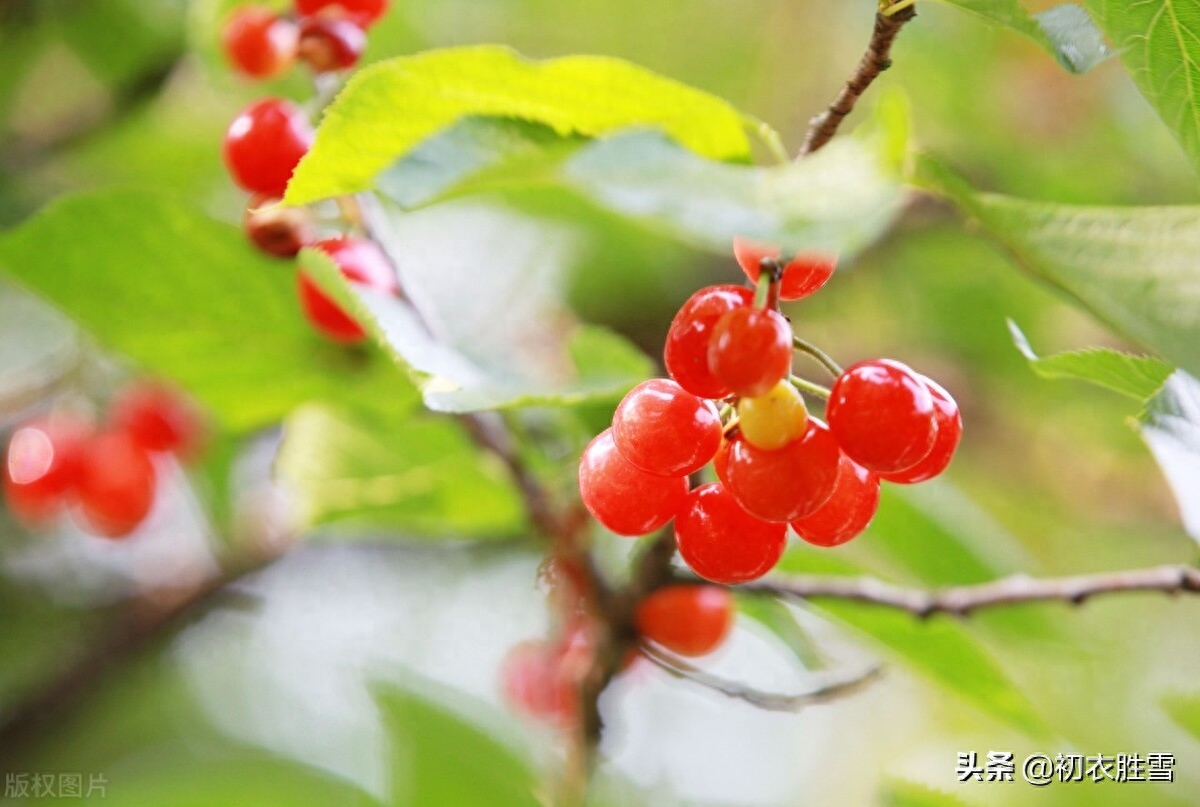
(328, 36)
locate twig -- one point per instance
(888, 22)
(964, 600)
(822, 358)
(775, 702)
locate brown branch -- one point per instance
(822, 128)
(776, 702)
(964, 600)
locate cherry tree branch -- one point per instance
(888, 22)
(964, 600)
(775, 702)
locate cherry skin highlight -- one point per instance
(664, 429)
(363, 12)
(361, 262)
(623, 497)
(159, 418)
(116, 486)
(264, 143)
(804, 274)
(847, 512)
(787, 484)
(688, 620)
(882, 415)
(42, 466)
(773, 419)
(751, 351)
(685, 353)
(723, 543)
(949, 432)
(258, 42)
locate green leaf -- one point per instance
(387, 109)
(408, 472)
(1065, 30)
(902, 793)
(1184, 709)
(1159, 43)
(446, 761)
(1134, 268)
(1138, 377)
(1170, 427)
(187, 298)
(483, 325)
(778, 618)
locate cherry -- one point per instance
(789, 483)
(623, 497)
(258, 42)
(534, 682)
(116, 484)
(772, 420)
(751, 350)
(847, 512)
(281, 231)
(803, 275)
(949, 432)
(364, 12)
(264, 143)
(328, 44)
(42, 467)
(664, 429)
(159, 418)
(688, 620)
(723, 543)
(360, 261)
(882, 415)
(686, 351)
(721, 460)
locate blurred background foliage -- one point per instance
(363, 672)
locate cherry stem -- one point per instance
(804, 346)
(804, 385)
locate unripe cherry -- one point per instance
(751, 350)
(949, 432)
(664, 429)
(772, 420)
(264, 144)
(688, 620)
(789, 483)
(361, 262)
(623, 497)
(685, 353)
(723, 543)
(847, 512)
(804, 274)
(882, 415)
(258, 42)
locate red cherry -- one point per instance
(788, 483)
(751, 351)
(949, 432)
(882, 415)
(847, 512)
(664, 429)
(258, 42)
(280, 231)
(688, 620)
(159, 418)
(721, 460)
(364, 12)
(328, 44)
(42, 467)
(807, 271)
(623, 497)
(362, 262)
(723, 543)
(534, 682)
(264, 143)
(116, 484)
(686, 351)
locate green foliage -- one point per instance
(1064, 30)
(1159, 43)
(491, 330)
(1184, 709)
(402, 472)
(361, 134)
(901, 793)
(187, 298)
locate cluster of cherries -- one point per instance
(774, 463)
(267, 140)
(104, 476)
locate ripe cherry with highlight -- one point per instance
(882, 415)
(685, 353)
(723, 543)
(789, 483)
(949, 432)
(258, 42)
(623, 497)
(751, 351)
(664, 429)
(688, 620)
(264, 143)
(804, 274)
(847, 512)
(42, 466)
